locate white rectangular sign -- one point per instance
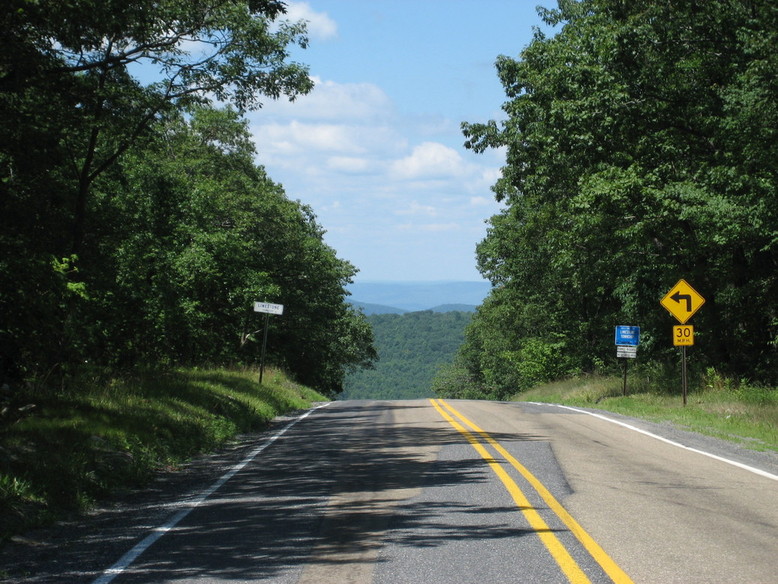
(626, 351)
(268, 308)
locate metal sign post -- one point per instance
(683, 336)
(267, 309)
(627, 341)
(624, 388)
(683, 374)
(264, 348)
(682, 301)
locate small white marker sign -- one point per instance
(268, 308)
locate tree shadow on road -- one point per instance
(331, 491)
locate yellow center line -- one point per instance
(566, 562)
(600, 556)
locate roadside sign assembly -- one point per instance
(682, 301)
(627, 340)
(267, 308)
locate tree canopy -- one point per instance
(136, 228)
(411, 348)
(641, 148)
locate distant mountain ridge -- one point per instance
(369, 309)
(454, 308)
(399, 297)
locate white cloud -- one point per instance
(491, 175)
(299, 138)
(349, 164)
(379, 180)
(320, 25)
(429, 160)
(343, 148)
(433, 227)
(415, 208)
(333, 101)
(351, 124)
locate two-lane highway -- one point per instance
(437, 491)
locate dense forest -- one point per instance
(411, 348)
(642, 147)
(136, 229)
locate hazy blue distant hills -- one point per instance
(454, 308)
(369, 309)
(415, 296)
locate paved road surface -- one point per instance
(435, 492)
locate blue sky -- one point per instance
(376, 148)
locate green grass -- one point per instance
(732, 411)
(73, 448)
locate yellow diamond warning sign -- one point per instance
(682, 301)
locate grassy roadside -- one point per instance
(67, 450)
(735, 412)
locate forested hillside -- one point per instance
(642, 147)
(411, 347)
(135, 228)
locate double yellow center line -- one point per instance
(478, 439)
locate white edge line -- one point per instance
(156, 533)
(752, 469)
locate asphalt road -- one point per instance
(440, 492)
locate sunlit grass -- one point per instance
(736, 412)
(76, 446)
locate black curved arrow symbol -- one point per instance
(678, 297)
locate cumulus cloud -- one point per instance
(415, 208)
(429, 160)
(480, 201)
(344, 148)
(344, 101)
(430, 227)
(362, 102)
(320, 25)
(349, 164)
(298, 137)
(373, 176)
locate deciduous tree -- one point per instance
(631, 138)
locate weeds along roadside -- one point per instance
(717, 406)
(63, 451)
